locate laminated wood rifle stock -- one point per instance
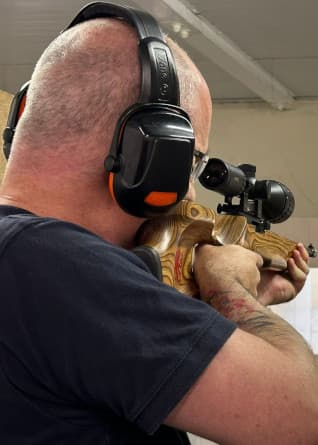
(174, 237)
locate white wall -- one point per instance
(302, 312)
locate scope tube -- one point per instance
(223, 178)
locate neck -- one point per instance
(88, 206)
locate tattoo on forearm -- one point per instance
(242, 311)
(251, 316)
(254, 318)
(258, 322)
(229, 306)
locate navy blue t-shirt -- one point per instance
(94, 350)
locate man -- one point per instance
(94, 349)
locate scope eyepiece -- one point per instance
(223, 178)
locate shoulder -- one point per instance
(57, 239)
(51, 256)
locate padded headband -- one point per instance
(159, 80)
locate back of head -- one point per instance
(81, 84)
(84, 81)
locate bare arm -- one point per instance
(262, 387)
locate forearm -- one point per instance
(270, 375)
(229, 282)
(239, 306)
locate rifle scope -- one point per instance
(274, 198)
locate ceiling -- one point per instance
(278, 37)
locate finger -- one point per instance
(296, 276)
(303, 252)
(300, 262)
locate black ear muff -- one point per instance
(15, 112)
(150, 161)
(151, 158)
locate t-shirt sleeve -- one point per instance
(103, 330)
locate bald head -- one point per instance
(81, 84)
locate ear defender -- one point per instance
(16, 109)
(150, 160)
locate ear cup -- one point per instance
(151, 159)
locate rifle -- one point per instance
(167, 243)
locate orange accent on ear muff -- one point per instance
(21, 106)
(111, 185)
(160, 199)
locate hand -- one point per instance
(275, 288)
(226, 268)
